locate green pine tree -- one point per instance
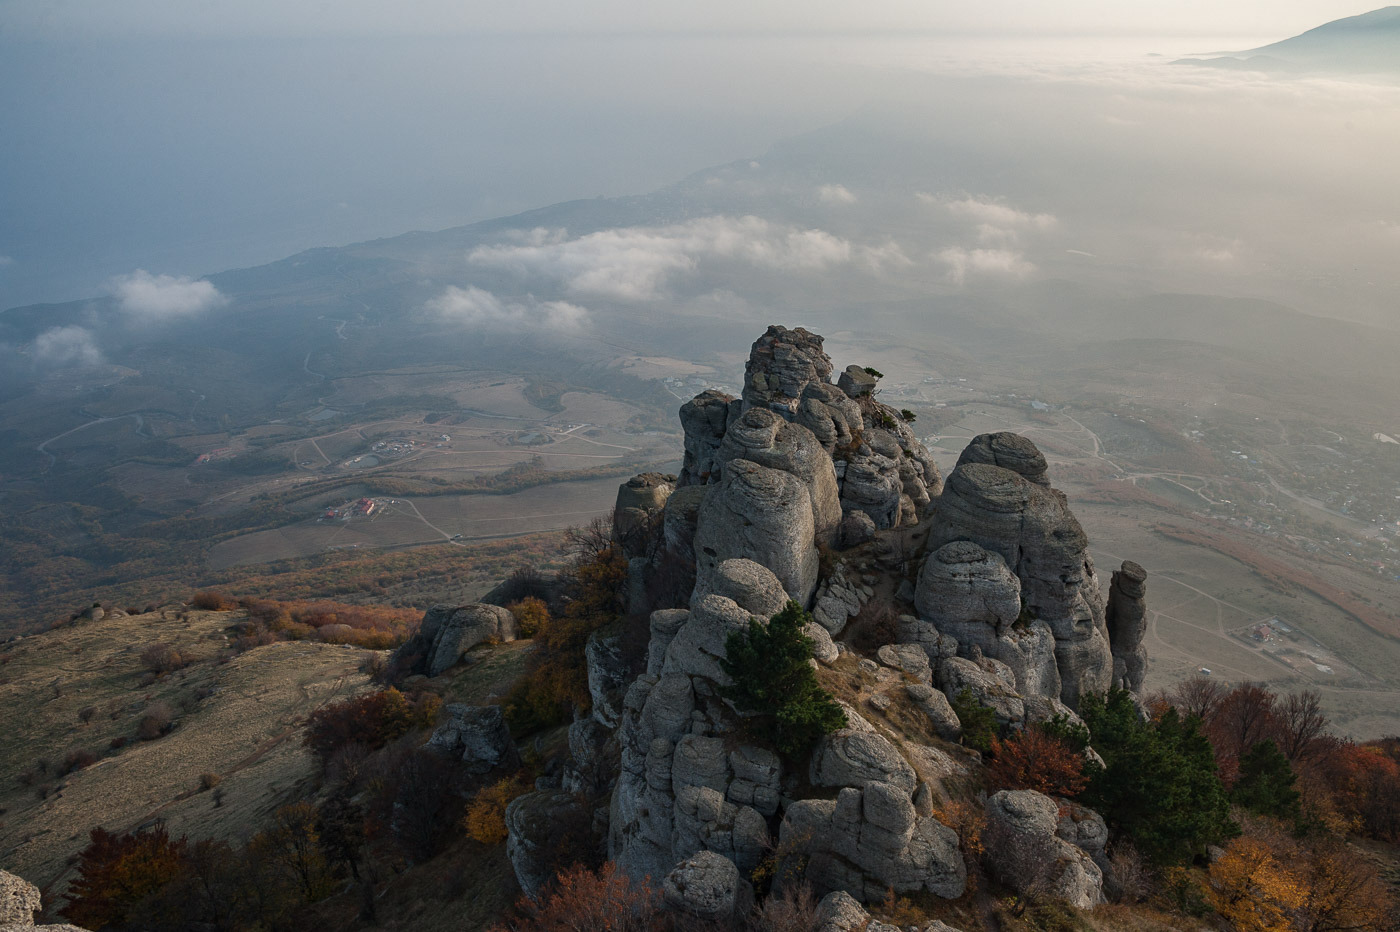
(774, 681)
(1266, 782)
(1158, 784)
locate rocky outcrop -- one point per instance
(478, 737)
(1031, 528)
(829, 413)
(708, 887)
(856, 382)
(1025, 851)
(781, 364)
(19, 901)
(761, 436)
(969, 593)
(640, 504)
(704, 419)
(840, 912)
(934, 704)
(870, 840)
(1009, 451)
(1127, 625)
(538, 825)
(989, 684)
(854, 757)
(839, 599)
(760, 514)
(447, 632)
(608, 675)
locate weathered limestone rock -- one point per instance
(869, 840)
(708, 886)
(1031, 528)
(699, 645)
(764, 515)
(665, 624)
(19, 900)
(477, 736)
(1009, 451)
(909, 659)
(706, 821)
(1127, 625)
(940, 712)
(757, 773)
(607, 676)
(589, 769)
(704, 420)
(1024, 852)
(871, 484)
(1029, 650)
(936, 644)
(839, 599)
(995, 691)
(840, 912)
(824, 649)
(856, 382)
(535, 825)
(638, 510)
(447, 632)
(679, 518)
(969, 593)
(832, 417)
(761, 436)
(750, 585)
(781, 364)
(852, 757)
(857, 527)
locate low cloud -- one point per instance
(835, 194)
(475, 307)
(639, 263)
(164, 297)
(996, 222)
(964, 264)
(6, 261)
(67, 346)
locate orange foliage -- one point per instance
(580, 900)
(1034, 760)
(371, 720)
(531, 615)
(485, 820)
(116, 872)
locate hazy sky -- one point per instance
(434, 17)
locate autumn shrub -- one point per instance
(160, 658)
(772, 679)
(115, 872)
(485, 820)
(207, 781)
(531, 615)
(371, 720)
(581, 900)
(77, 759)
(213, 602)
(792, 910)
(555, 683)
(1034, 760)
(157, 720)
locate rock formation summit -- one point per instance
(977, 590)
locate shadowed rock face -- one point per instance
(448, 631)
(829, 413)
(704, 419)
(781, 364)
(764, 515)
(1127, 625)
(1041, 542)
(640, 502)
(1009, 451)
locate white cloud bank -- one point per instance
(983, 263)
(835, 194)
(638, 263)
(164, 297)
(67, 346)
(472, 306)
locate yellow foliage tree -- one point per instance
(531, 615)
(485, 820)
(1253, 889)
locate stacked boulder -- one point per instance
(447, 632)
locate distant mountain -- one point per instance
(1369, 43)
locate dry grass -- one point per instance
(238, 719)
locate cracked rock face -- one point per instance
(708, 887)
(1025, 852)
(1031, 528)
(830, 414)
(764, 515)
(869, 840)
(1127, 625)
(781, 364)
(761, 436)
(968, 592)
(704, 419)
(19, 900)
(477, 736)
(1009, 451)
(447, 632)
(640, 503)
